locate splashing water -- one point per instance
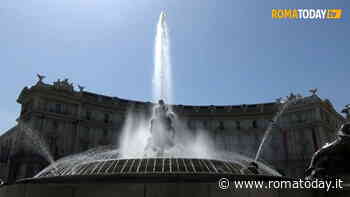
(136, 133)
(162, 87)
(38, 142)
(136, 128)
(71, 165)
(284, 107)
(102, 153)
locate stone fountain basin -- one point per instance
(150, 177)
(142, 185)
(139, 167)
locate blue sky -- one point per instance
(223, 52)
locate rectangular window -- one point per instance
(238, 125)
(106, 118)
(105, 132)
(88, 115)
(58, 108)
(254, 124)
(314, 139)
(221, 125)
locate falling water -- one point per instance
(136, 130)
(162, 67)
(38, 142)
(284, 106)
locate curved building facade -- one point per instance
(73, 121)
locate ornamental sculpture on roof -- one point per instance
(40, 77)
(64, 85)
(313, 91)
(81, 88)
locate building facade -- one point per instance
(58, 120)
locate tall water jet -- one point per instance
(151, 135)
(162, 87)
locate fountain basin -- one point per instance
(148, 167)
(143, 177)
(143, 185)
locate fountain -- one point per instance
(160, 139)
(157, 156)
(162, 123)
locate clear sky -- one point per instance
(223, 52)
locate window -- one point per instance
(238, 125)
(58, 108)
(55, 125)
(51, 107)
(327, 118)
(88, 115)
(254, 124)
(105, 132)
(221, 125)
(106, 118)
(314, 139)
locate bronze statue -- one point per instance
(331, 159)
